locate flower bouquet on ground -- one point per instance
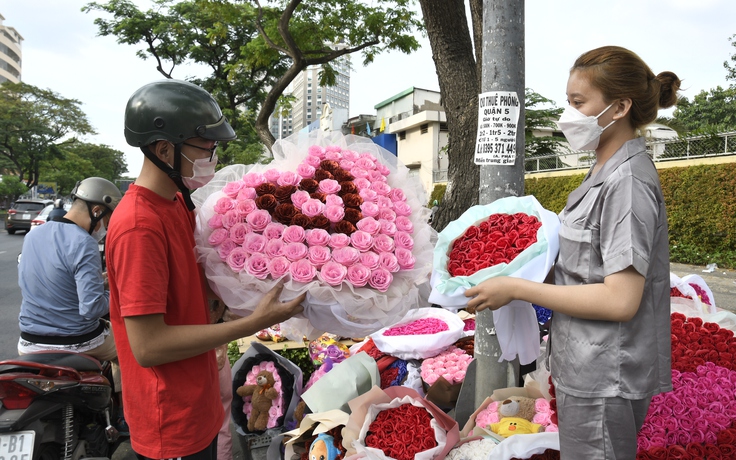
(396, 423)
(691, 294)
(336, 217)
(513, 236)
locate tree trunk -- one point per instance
(452, 51)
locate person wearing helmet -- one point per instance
(64, 291)
(58, 211)
(159, 296)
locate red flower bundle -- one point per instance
(498, 239)
(401, 432)
(695, 342)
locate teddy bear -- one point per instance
(515, 417)
(262, 396)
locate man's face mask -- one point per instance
(582, 131)
(203, 170)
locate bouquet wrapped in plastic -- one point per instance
(513, 236)
(337, 217)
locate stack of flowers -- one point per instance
(422, 326)
(543, 415)
(697, 419)
(437, 328)
(401, 432)
(451, 365)
(345, 224)
(476, 449)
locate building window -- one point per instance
(443, 127)
(424, 129)
(402, 135)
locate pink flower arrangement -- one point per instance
(542, 415)
(451, 365)
(277, 407)
(422, 326)
(335, 220)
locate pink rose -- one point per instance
(317, 237)
(293, 234)
(381, 279)
(319, 255)
(387, 227)
(358, 275)
(289, 178)
(397, 195)
(381, 188)
(405, 258)
(274, 248)
(253, 179)
(334, 156)
(346, 256)
(333, 148)
(305, 170)
(377, 177)
(359, 173)
(333, 273)
(362, 241)
(246, 193)
(387, 214)
(368, 195)
(347, 165)
(369, 209)
(300, 197)
(329, 186)
(403, 240)
(384, 202)
(215, 221)
(238, 232)
(333, 200)
(217, 236)
(402, 208)
(224, 205)
(383, 243)
(226, 248)
(254, 242)
(245, 207)
(388, 261)
(362, 183)
(312, 207)
(383, 169)
(278, 266)
(369, 225)
(350, 155)
(313, 160)
(258, 220)
(334, 213)
(274, 230)
(231, 218)
(231, 189)
(257, 265)
(272, 175)
(339, 240)
(237, 259)
(295, 251)
(403, 224)
(370, 259)
(302, 271)
(367, 163)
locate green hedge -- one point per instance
(701, 210)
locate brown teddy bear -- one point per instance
(262, 396)
(515, 417)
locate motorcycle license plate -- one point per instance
(17, 445)
(26, 217)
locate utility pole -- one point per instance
(500, 175)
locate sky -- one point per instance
(62, 52)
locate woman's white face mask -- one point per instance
(582, 131)
(203, 170)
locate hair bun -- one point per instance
(669, 85)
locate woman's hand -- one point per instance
(492, 293)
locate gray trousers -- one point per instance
(599, 428)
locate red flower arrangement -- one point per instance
(401, 432)
(695, 342)
(498, 239)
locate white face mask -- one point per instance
(204, 171)
(100, 233)
(582, 131)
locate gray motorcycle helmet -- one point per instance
(174, 110)
(96, 190)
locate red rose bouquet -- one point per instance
(513, 236)
(335, 217)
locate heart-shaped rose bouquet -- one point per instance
(343, 222)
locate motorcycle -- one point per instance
(56, 405)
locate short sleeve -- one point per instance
(629, 220)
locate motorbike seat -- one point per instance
(80, 362)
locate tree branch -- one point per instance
(262, 31)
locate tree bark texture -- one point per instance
(457, 71)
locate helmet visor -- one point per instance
(218, 131)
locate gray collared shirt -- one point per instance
(614, 220)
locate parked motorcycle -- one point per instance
(56, 405)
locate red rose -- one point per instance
(711, 451)
(267, 202)
(284, 213)
(301, 220)
(309, 185)
(342, 175)
(688, 327)
(658, 453)
(696, 450)
(727, 436)
(471, 233)
(352, 200)
(322, 174)
(318, 196)
(329, 165)
(347, 187)
(265, 189)
(353, 215)
(345, 227)
(678, 316)
(283, 193)
(727, 451)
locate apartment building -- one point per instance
(10, 53)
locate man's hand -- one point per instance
(270, 310)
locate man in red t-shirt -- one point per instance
(158, 294)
